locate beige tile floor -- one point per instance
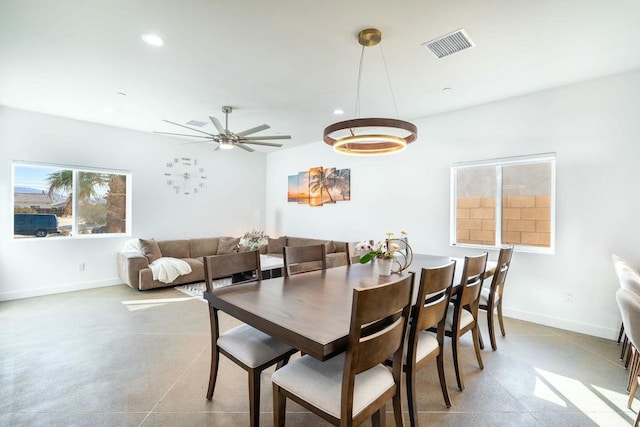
(117, 357)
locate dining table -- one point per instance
(312, 311)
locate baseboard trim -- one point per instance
(37, 292)
(568, 325)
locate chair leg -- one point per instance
(455, 342)
(633, 367)
(410, 378)
(475, 332)
(443, 381)
(500, 318)
(624, 347)
(279, 406)
(254, 397)
(633, 377)
(213, 374)
(481, 341)
(621, 332)
(492, 332)
(397, 410)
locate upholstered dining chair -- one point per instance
(354, 386)
(430, 310)
(629, 305)
(630, 278)
(300, 259)
(249, 348)
(462, 314)
(491, 298)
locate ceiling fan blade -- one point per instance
(249, 149)
(187, 127)
(253, 130)
(184, 134)
(259, 138)
(266, 144)
(218, 125)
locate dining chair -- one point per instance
(629, 305)
(462, 313)
(627, 277)
(301, 259)
(355, 385)
(491, 298)
(247, 347)
(422, 346)
(631, 282)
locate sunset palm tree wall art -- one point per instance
(319, 186)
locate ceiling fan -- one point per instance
(226, 139)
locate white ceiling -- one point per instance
(291, 63)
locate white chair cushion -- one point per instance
(465, 318)
(320, 383)
(484, 296)
(427, 344)
(251, 346)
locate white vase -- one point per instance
(384, 266)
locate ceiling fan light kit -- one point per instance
(226, 139)
(370, 136)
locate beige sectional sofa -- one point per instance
(134, 270)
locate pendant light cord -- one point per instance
(393, 97)
(357, 109)
(386, 70)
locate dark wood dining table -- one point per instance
(312, 311)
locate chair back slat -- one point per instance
(434, 292)
(378, 323)
(502, 268)
(472, 275)
(299, 259)
(222, 266)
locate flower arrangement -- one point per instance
(253, 239)
(382, 250)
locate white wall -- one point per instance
(227, 206)
(595, 131)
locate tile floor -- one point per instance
(117, 357)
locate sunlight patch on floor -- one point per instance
(543, 391)
(590, 403)
(142, 304)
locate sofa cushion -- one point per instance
(228, 245)
(151, 249)
(203, 247)
(274, 246)
(174, 248)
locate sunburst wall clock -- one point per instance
(185, 176)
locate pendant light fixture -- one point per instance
(370, 136)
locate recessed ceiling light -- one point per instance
(152, 39)
(338, 111)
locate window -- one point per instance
(504, 201)
(50, 200)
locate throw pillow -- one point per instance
(151, 249)
(274, 246)
(228, 245)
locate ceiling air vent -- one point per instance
(196, 123)
(449, 43)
